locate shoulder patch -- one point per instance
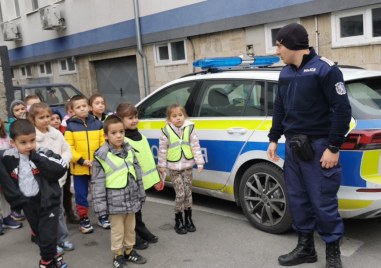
(329, 62)
(340, 88)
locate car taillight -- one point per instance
(362, 140)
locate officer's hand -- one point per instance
(329, 159)
(200, 168)
(271, 151)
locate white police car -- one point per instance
(232, 111)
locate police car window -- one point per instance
(365, 98)
(272, 89)
(256, 104)
(156, 106)
(223, 98)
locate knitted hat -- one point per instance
(13, 104)
(293, 36)
(54, 111)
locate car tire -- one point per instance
(262, 195)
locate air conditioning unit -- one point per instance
(51, 18)
(10, 31)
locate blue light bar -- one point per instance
(257, 61)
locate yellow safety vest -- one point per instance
(178, 146)
(144, 155)
(118, 169)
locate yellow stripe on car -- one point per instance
(348, 204)
(369, 166)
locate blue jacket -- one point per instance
(311, 100)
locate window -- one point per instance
(157, 105)
(67, 65)
(232, 98)
(356, 27)
(45, 69)
(271, 31)
(26, 71)
(170, 53)
(31, 5)
(11, 9)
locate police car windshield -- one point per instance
(365, 98)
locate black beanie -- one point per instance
(293, 36)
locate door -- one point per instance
(118, 81)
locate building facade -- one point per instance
(125, 49)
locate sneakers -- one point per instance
(17, 215)
(60, 250)
(85, 226)
(134, 257)
(104, 222)
(9, 222)
(119, 261)
(66, 246)
(47, 264)
(59, 262)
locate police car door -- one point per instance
(226, 114)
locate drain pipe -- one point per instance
(140, 48)
(316, 35)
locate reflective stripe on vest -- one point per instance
(147, 163)
(178, 146)
(117, 169)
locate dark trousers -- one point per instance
(312, 193)
(44, 223)
(67, 195)
(140, 227)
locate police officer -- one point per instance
(312, 110)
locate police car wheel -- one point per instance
(262, 196)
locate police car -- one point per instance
(232, 111)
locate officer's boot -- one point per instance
(188, 220)
(179, 225)
(332, 254)
(303, 253)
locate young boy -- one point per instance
(84, 135)
(117, 189)
(151, 177)
(30, 181)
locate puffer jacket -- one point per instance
(47, 168)
(183, 163)
(84, 138)
(55, 141)
(116, 201)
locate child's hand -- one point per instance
(200, 168)
(88, 163)
(159, 186)
(162, 170)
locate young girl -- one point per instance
(5, 222)
(98, 107)
(49, 137)
(129, 114)
(179, 150)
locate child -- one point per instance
(30, 100)
(85, 135)
(179, 150)
(69, 113)
(5, 209)
(56, 121)
(117, 189)
(49, 137)
(17, 111)
(29, 178)
(139, 143)
(98, 107)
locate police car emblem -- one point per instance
(340, 88)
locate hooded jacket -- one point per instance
(116, 201)
(183, 163)
(48, 168)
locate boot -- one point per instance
(179, 226)
(188, 220)
(303, 253)
(332, 253)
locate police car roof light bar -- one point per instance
(256, 61)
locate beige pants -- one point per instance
(122, 232)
